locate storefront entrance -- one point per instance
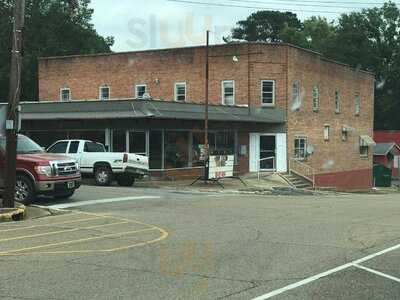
(268, 152)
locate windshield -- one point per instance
(25, 145)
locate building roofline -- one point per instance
(203, 46)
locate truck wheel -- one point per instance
(125, 180)
(65, 195)
(24, 191)
(103, 176)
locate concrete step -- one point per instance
(297, 181)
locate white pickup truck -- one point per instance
(106, 166)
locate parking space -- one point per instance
(77, 233)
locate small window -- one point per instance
(300, 148)
(65, 94)
(364, 148)
(268, 92)
(345, 133)
(180, 91)
(296, 99)
(104, 93)
(93, 147)
(60, 147)
(228, 92)
(337, 101)
(315, 98)
(357, 104)
(140, 91)
(327, 131)
(73, 147)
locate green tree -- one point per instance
(264, 26)
(52, 28)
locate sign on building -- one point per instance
(221, 166)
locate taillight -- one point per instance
(125, 159)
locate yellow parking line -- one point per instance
(75, 241)
(60, 231)
(51, 224)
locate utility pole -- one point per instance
(206, 146)
(13, 103)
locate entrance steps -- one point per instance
(296, 181)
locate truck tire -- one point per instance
(125, 180)
(103, 176)
(64, 195)
(24, 191)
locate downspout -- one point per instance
(248, 79)
(287, 108)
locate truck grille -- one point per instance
(65, 168)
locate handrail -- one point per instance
(306, 171)
(265, 159)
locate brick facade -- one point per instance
(285, 64)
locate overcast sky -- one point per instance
(149, 24)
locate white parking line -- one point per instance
(100, 201)
(377, 272)
(324, 274)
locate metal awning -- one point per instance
(137, 109)
(366, 140)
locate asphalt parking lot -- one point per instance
(132, 243)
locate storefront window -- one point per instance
(137, 142)
(119, 141)
(198, 147)
(176, 147)
(155, 141)
(95, 136)
(225, 143)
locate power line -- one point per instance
(256, 7)
(307, 3)
(317, 2)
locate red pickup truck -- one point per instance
(40, 173)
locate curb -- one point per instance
(12, 214)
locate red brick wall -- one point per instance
(349, 180)
(333, 156)
(85, 74)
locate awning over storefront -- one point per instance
(137, 109)
(366, 140)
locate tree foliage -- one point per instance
(52, 28)
(367, 40)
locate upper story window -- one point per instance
(337, 101)
(104, 93)
(315, 98)
(300, 147)
(357, 104)
(65, 94)
(327, 131)
(140, 91)
(296, 99)
(180, 91)
(228, 92)
(268, 92)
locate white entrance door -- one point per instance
(269, 146)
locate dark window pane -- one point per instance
(60, 147)
(137, 142)
(155, 159)
(93, 147)
(119, 141)
(73, 147)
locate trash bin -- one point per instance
(382, 176)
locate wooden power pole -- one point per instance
(13, 103)
(206, 145)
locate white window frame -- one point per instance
(315, 98)
(109, 92)
(327, 132)
(338, 101)
(69, 94)
(296, 99)
(176, 90)
(136, 90)
(357, 104)
(273, 92)
(305, 138)
(223, 92)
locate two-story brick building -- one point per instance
(296, 108)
